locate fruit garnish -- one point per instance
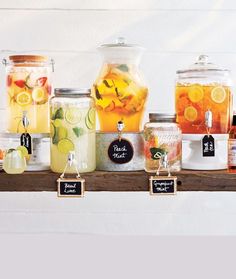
(49, 89)
(92, 115)
(24, 98)
(73, 115)
(110, 107)
(195, 94)
(123, 67)
(1, 154)
(57, 123)
(22, 150)
(59, 114)
(29, 83)
(88, 124)
(190, 113)
(62, 133)
(38, 94)
(20, 83)
(78, 131)
(52, 130)
(218, 95)
(9, 80)
(41, 81)
(65, 146)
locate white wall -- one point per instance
(173, 32)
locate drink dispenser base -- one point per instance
(193, 158)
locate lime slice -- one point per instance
(73, 116)
(57, 123)
(88, 124)
(23, 150)
(92, 115)
(65, 146)
(52, 130)
(62, 133)
(218, 95)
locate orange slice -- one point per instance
(195, 94)
(218, 94)
(24, 98)
(190, 113)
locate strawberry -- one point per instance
(20, 83)
(9, 80)
(41, 81)
(49, 89)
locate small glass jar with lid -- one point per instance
(28, 86)
(73, 128)
(162, 136)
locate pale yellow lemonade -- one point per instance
(28, 92)
(72, 129)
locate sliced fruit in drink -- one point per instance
(9, 80)
(218, 95)
(110, 107)
(73, 115)
(65, 146)
(38, 94)
(190, 113)
(52, 130)
(20, 83)
(41, 81)
(24, 98)
(88, 124)
(92, 115)
(195, 93)
(62, 133)
(23, 151)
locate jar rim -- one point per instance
(162, 117)
(83, 91)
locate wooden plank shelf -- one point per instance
(120, 181)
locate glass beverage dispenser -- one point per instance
(119, 90)
(28, 83)
(203, 101)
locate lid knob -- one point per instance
(120, 40)
(202, 59)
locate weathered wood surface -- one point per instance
(120, 181)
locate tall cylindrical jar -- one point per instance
(73, 125)
(162, 136)
(28, 82)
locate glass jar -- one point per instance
(162, 136)
(119, 89)
(202, 90)
(73, 125)
(29, 87)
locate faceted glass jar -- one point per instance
(119, 90)
(73, 128)
(29, 87)
(201, 90)
(162, 136)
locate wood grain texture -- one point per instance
(120, 181)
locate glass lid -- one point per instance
(121, 44)
(202, 64)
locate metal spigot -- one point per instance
(25, 120)
(208, 119)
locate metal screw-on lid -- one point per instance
(162, 117)
(66, 92)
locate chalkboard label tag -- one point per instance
(163, 185)
(208, 146)
(25, 140)
(120, 151)
(70, 187)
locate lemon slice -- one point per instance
(23, 150)
(190, 114)
(62, 133)
(218, 95)
(38, 94)
(73, 116)
(23, 98)
(57, 123)
(65, 146)
(195, 94)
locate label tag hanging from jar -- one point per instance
(120, 151)
(208, 146)
(26, 141)
(163, 185)
(70, 187)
